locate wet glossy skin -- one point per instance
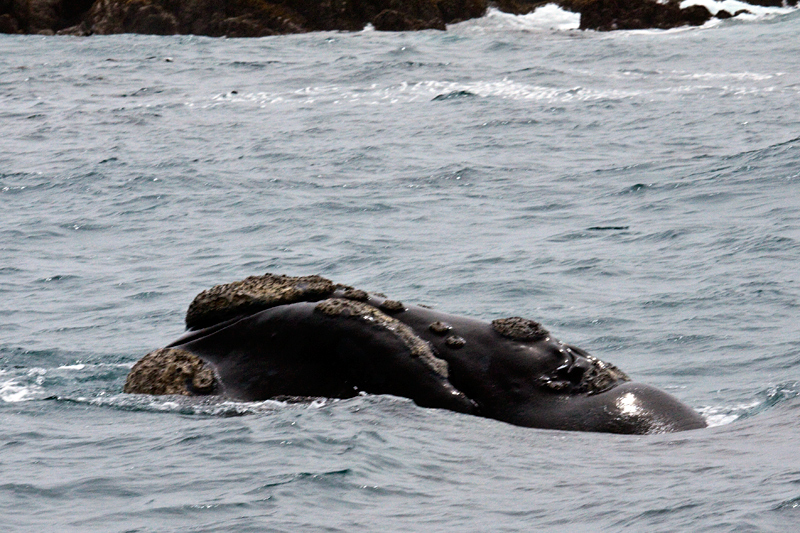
(291, 350)
(504, 377)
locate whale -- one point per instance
(294, 338)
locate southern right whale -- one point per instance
(276, 336)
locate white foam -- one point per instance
(551, 17)
(720, 416)
(737, 76)
(38, 374)
(544, 18)
(211, 405)
(79, 366)
(720, 419)
(318, 403)
(12, 391)
(422, 91)
(732, 6)
(93, 366)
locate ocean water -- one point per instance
(636, 192)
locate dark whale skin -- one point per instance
(294, 350)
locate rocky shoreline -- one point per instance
(259, 18)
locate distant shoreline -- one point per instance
(259, 18)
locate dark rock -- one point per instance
(8, 24)
(693, 16)
(332, 15)
(459, 10)
(722, 14)
(391, 20)
(236, 18)
(243, 27)
(353, 15)
(519, 7)
(72, 12)
(257, 18)
(131, 16)
(42, 14)
(233, 18)
(409, 15)
(605, 15)
(79, 30)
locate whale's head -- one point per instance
(581, 392)
(628, 407)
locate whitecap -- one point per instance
(12, 391)
(421, 91)
(188, 405)
(79, 366)
(544, 18)
(723, 415)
